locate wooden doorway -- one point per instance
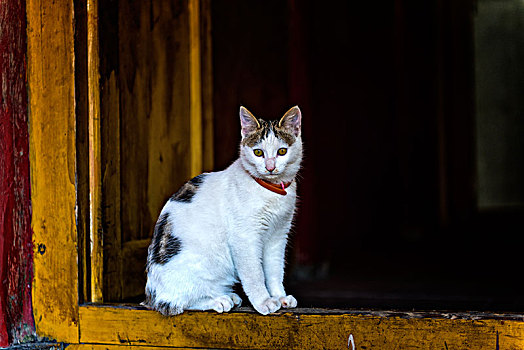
(145, 128)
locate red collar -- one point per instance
(277, 188)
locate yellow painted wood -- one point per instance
(95, 173)
(243, 330)
(55, 285)
(195, 87)
(50, 59)
(116, 347)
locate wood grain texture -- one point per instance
(82, 150)
(146, 116)
(16, 249)
(115, 347)
(52, 158)
(301, 330)
(113, 265)
(206, 54)
(109, 91)
(95, 152)
(154, 106)
(168, 141)
(195, 87)
(134, 257)
(134, 75)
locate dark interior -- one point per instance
(411, 191)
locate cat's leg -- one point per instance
(274, 258)
(247, 258)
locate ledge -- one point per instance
(300, 329)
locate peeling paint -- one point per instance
(16, 319)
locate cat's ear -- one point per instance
(248, 122)
(291, 121)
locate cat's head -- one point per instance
(271, 150)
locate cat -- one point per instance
(230, 226)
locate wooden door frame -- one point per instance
(50, 56)
(58, 313)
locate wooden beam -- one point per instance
(115, 347)
(95, 151)
(207, 85)
(300, 329)
(195, 87)
(50, 59)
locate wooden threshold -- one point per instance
(300, 329)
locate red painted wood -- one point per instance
(16, 251)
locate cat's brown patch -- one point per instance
(261, 132)
(284, 135)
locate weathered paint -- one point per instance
(16, 321)
(115, 347)
(55, 293)
(303, 329)
(50, 45)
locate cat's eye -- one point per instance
(258, 152)
(282, 151)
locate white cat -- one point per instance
(229, 226)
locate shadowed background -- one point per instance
(411, 192)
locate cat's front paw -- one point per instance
(288, 302)
(222, 304)
(236, 299)
(268, 306)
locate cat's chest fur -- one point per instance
(238, 200)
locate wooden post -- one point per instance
(195, 87)
(16, 256)
(95, 173)
(52, 152)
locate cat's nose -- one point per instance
(270, 164)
